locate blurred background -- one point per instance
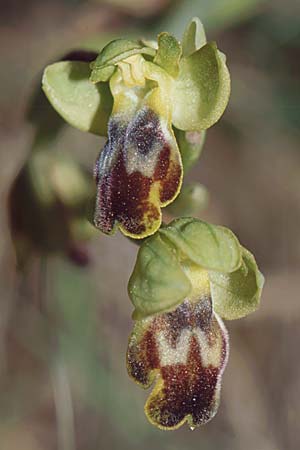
(65, 314)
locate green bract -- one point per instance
(170, 263)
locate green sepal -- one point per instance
(237, 294)
(168, 53)
(194, 37)
(102, 74)
(115, 52)
(193, 198)
(210, 246)
(81, 103)
(149, 43)
(201, 90)
(190, 144)
(158, 283)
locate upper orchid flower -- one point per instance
(143, 96)
(187, 276)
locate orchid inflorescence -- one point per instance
(153, 101)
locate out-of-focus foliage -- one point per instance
(191, 201)
(47, 207)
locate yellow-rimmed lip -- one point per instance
(184, 353)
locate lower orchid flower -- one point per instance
(179, 342)
(185, 353)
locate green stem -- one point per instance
(63, 406)
(58, 373)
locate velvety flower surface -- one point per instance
(138, 171)
(184, 352)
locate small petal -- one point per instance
(184, 352)
(168, 53)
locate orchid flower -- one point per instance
(144, 96)
(187, 278)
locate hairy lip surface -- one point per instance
(184, 353)
(137, 172)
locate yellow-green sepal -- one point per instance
(114, 52)
(201, 90)
(158, 283)
(194, 37)
(238, 293)
(210, 246)
(81, 103)
(102, 74)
